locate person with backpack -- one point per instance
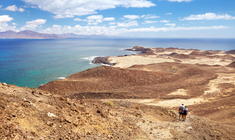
(181, 110)
(185, 113)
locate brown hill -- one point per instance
(134, 82)
(230, 52)
(35, 114)
(232, 65)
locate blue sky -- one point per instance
(125, 18)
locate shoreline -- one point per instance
(160, 55)
(148, 53)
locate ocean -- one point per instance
(31, 63)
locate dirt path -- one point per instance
(164, 130)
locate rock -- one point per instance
(49, 114)
(230, 52)
(143, 50)
(102, 60)
(49, 123)
(189, 130)
(101, 113)
(98, 111)
(180, 56)
(232, 65)
(4, 84)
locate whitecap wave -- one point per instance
(123, 49)
(41, 85)
(106, 65)
(89, 58)
(61, 78)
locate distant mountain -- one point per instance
(27, 34)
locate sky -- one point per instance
(122, 18)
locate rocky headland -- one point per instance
(135, 97)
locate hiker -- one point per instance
(181, 109)
(185, 113)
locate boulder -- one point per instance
(102, 60)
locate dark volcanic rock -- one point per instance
(102, 60)
(232, 65)
(231, 52)
(181, 56)
(143, 50)
(201, 53)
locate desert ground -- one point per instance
(136, 97)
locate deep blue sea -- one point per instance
(32, 63)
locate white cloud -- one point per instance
(155, 21)
(131, 17)
(210, 16)
(150, 16)
(5, 18)
(179, 0)
(115, 30)
(167, 29)
(83, 30)
(32, 25)
(150, 21)
(164, 21)
(170, 24)
(71, 8)
(127, 24)
(78, 19)
(109, 19)
(96, 19)
(134, 17)
(4, 25)
(14, 8)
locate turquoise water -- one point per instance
(31, 63)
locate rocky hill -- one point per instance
(36, 114)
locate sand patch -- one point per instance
(127, 61)
(186, 52)
(164, 103)
(181, 92)
(213, 86)
(207, 61)
(177, 102)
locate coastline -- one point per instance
(160, 55)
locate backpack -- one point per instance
(185, 111)
(181, 108)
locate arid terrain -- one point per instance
(135, 98)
